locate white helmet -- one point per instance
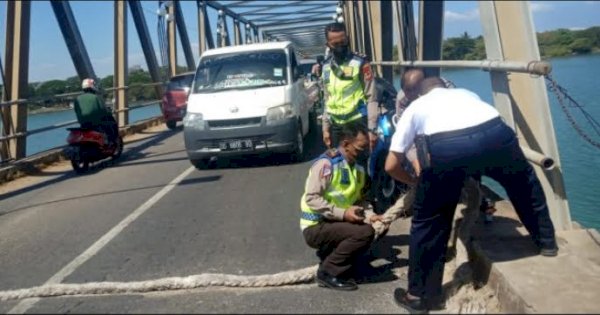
(89, 84)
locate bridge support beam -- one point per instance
(183, 36)
(510, 35)
(431, 20)
(206, 40)
(407, 41)
(70, 31)
(382, 31)
(142, 29)
(172, 40)
(14, 117)
(367, 31)
(120, 73)
(350, 23)
(237, 32)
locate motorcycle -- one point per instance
(87, 146)
(385, 189)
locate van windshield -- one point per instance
(239, 71)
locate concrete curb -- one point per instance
(508, 298)
(35, 163)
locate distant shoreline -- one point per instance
(44, 110)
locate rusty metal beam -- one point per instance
(120, 73)
(206, 40)
(183, 36)
(172, 40)
(226, 32)
(146, 42)
(70, 31)
(18, 21)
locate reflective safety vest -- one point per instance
(346, 101)
(344, 190)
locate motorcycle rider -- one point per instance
(92, 113)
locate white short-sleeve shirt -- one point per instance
(438, 111)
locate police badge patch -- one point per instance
(367, 72)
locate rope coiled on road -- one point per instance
(298, 276)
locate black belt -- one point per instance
(466, 131)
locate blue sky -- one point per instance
(50, 59)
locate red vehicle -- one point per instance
(174, 101)
(87, 146)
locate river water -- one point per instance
(580, 160)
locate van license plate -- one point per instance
(236, 145)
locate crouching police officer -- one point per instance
(333, 205)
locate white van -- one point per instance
(247, 99)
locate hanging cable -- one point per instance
(563, 97)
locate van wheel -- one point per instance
(171, 124)
(298, 153)
(201, 164)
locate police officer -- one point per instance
(333, 206)
(349, 88)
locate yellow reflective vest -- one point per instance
(344, 190)
(347, 100)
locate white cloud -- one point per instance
(590, 2)
(471, 15)
(576, 28)
(537, 6)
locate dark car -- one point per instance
(174, 101)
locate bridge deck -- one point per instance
(238, 218)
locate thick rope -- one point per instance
(298, 276)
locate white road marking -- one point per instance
(26, 304)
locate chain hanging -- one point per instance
(563, 97)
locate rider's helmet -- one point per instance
(89, 84)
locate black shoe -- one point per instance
(548, 249)
(326, 280)
(413, 306)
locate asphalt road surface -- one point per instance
(152, 215)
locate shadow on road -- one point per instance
(313, 146)
(130, 154)
(205, 179)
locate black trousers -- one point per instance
(489, 149)
(339, 244)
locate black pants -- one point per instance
(339, 244)
(489, 149)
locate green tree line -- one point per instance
(48, 93)
(560, 42)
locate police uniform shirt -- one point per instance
(367, 79)
(438, 111)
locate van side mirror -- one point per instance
(297, 74)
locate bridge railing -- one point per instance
(67, 97)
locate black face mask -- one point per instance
(340, 52)
(362, 156)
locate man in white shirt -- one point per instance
(464, 136)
